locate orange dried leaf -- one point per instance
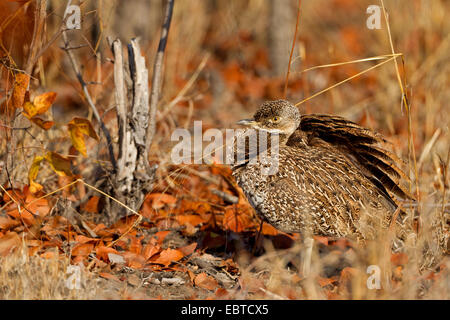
(92, 205)
(189, 249)
(158, 200)
(44, 101)
(83, 249)
(40, 105)
(134, 260)
(237, 219)
(24, 216)
(8, 243)
(150, 250)
(160, 235)
(83, 239)
(38, 207)
(20, 88)
(206, 282)
(7, 223)
(192, 219)
(102, 252)
(168, 256)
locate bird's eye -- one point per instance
(276, 119)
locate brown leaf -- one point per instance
(134, 260)
(59, 163)
(83, 239)
(20, 88)
(8, 243)
(83, 249)
(158, 200)
(92, 205)
(102, 252)
(150, 250)
(204, 281)
(166, 257)
(160, 236)
(44, 124)
(189, 249)
(7, 223)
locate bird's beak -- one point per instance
(247, 122)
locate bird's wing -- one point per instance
(361, 146)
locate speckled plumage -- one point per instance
(332, 180)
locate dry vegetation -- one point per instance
(191, 242)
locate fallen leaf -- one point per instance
(166, 257)
(237, 218)
(8, 243)
(102, 252)
(92, 205)
(189, 249)
(150, 250)
(7, 223)
(83, 239)
(83, 249)
(133, 260)
(158, 200)
(204, 281)
(191, 219)
(160, 235)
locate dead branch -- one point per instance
(133, 176)
(91, 104)
(157, 72)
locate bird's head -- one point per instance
(278, 116)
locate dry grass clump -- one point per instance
(32, 277)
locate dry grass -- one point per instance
(33, 277)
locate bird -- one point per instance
(333, 177)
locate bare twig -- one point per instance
(157, 71)
(292, 50)
(83, 84)
(39, 19)
(226, 196)
(120, 92)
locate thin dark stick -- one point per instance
(292, 50)
(256, 246)
(157, 70)
(83, 84)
